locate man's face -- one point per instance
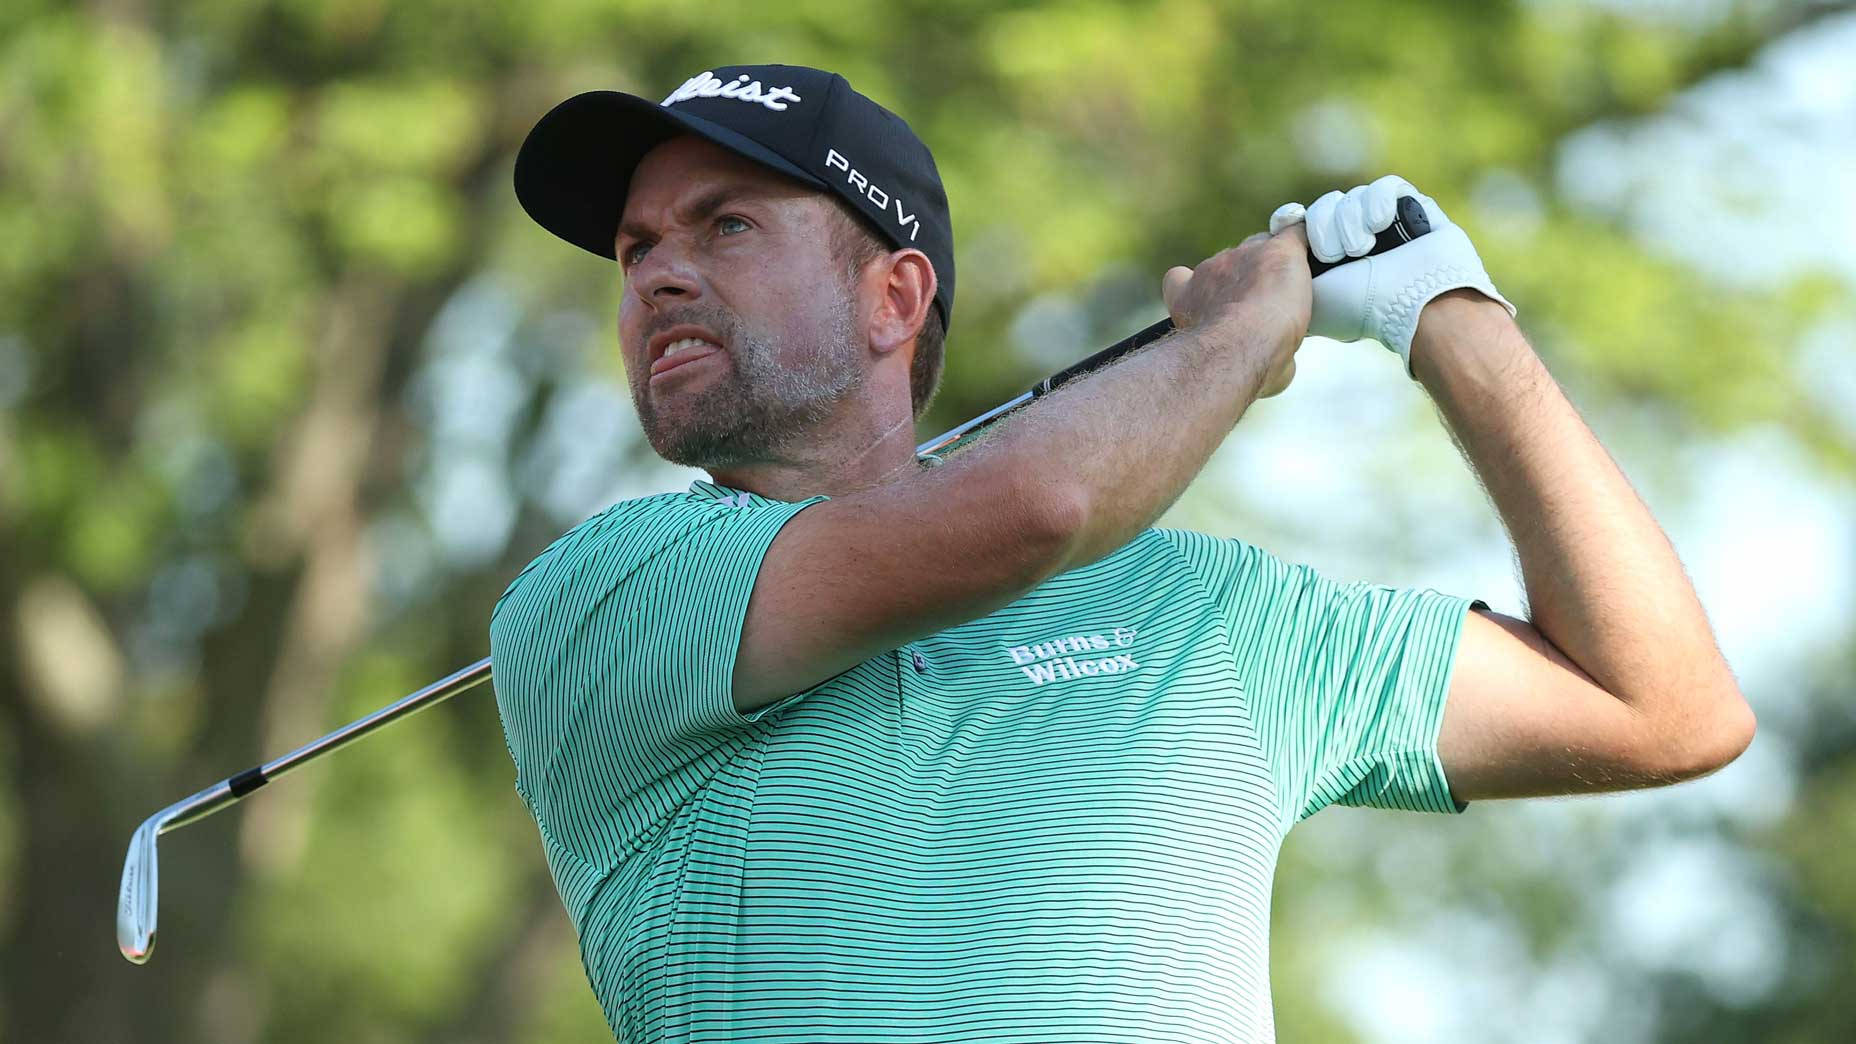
(718, 249)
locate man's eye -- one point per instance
(724, 223)
(635, 253)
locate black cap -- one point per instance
(575, 167)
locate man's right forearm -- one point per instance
(1108, 453)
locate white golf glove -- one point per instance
(1380, 296)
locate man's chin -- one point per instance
(697, 449)
(693, 434)
(676, 433)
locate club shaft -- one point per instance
(433, 694)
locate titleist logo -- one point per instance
(705, 85)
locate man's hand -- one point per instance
(1263, 280)
(1381, 296)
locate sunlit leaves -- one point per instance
(257, 371)
(423, 128)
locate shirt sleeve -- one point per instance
(1345, 682)
(613, 658)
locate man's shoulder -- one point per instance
(1226, 558)
(1159, 548)
(1191, 541)
(604, 550)
(627, 532)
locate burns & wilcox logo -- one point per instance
(1076, 656)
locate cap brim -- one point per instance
(575, 167)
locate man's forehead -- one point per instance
(688, 166)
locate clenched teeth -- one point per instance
(687, 343)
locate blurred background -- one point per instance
(290, 388)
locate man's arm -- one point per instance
(1616, 682)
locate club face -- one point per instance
(135, 905)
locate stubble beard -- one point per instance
(758, 408)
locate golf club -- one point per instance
(136, 904)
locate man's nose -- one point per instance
(666, 275)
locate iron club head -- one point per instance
(135, 906)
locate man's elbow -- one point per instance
(1713, 744)
(1052, 525)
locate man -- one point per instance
(838, 747)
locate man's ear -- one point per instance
(908, 287)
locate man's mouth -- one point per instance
(682, 351)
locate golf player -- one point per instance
(839, 746)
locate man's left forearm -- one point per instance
(1603, 583)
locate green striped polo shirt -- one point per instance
(1058, 822)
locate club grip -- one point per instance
(1410, 223)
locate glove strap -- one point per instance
(1399, 315)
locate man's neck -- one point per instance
(851, 461)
